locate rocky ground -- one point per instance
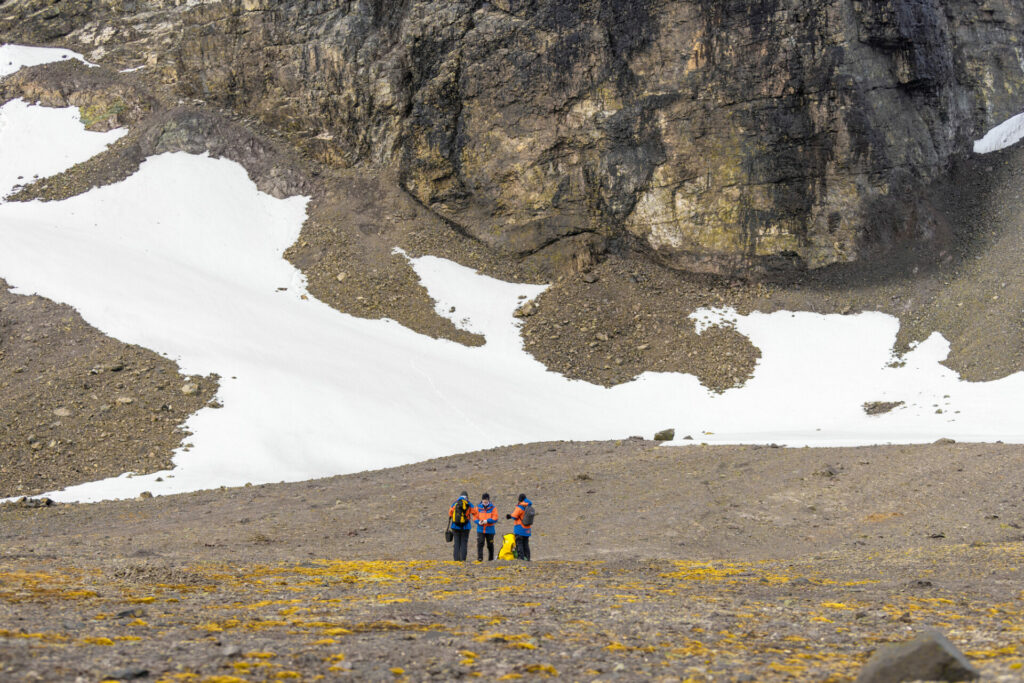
(76, 405)
(663, 563)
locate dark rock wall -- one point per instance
(727, 135)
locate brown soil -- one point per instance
(709, 563)
(76, 405)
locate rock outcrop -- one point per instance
(729, 137)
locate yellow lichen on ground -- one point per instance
(732, 616)
(43, 637)
(725, 572)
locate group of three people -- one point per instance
(463, 514)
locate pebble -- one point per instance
(26, 502)
(526, 310)
(190, 388)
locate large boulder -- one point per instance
(928, 657)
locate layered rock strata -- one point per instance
(729, 136)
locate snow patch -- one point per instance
(706, 318)
(42, 141)
(484, 306)
(14, 57)
(1007, 133)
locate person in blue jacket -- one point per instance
(460, 517)
(521, 531)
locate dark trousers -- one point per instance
(461, 545)
(523, 547)
(482, 538)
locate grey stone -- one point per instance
(930, 656)
(881, 407)
(26, 502)
(132, 613)
(526, 310)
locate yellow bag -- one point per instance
(508, 548)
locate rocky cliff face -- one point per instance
(727, 136)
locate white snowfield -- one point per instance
(185, 257)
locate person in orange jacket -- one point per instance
(521, 531)
(486, 518)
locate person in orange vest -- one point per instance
(486, 518)
(460, 518)
(521, 530)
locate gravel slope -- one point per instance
(77, 405)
